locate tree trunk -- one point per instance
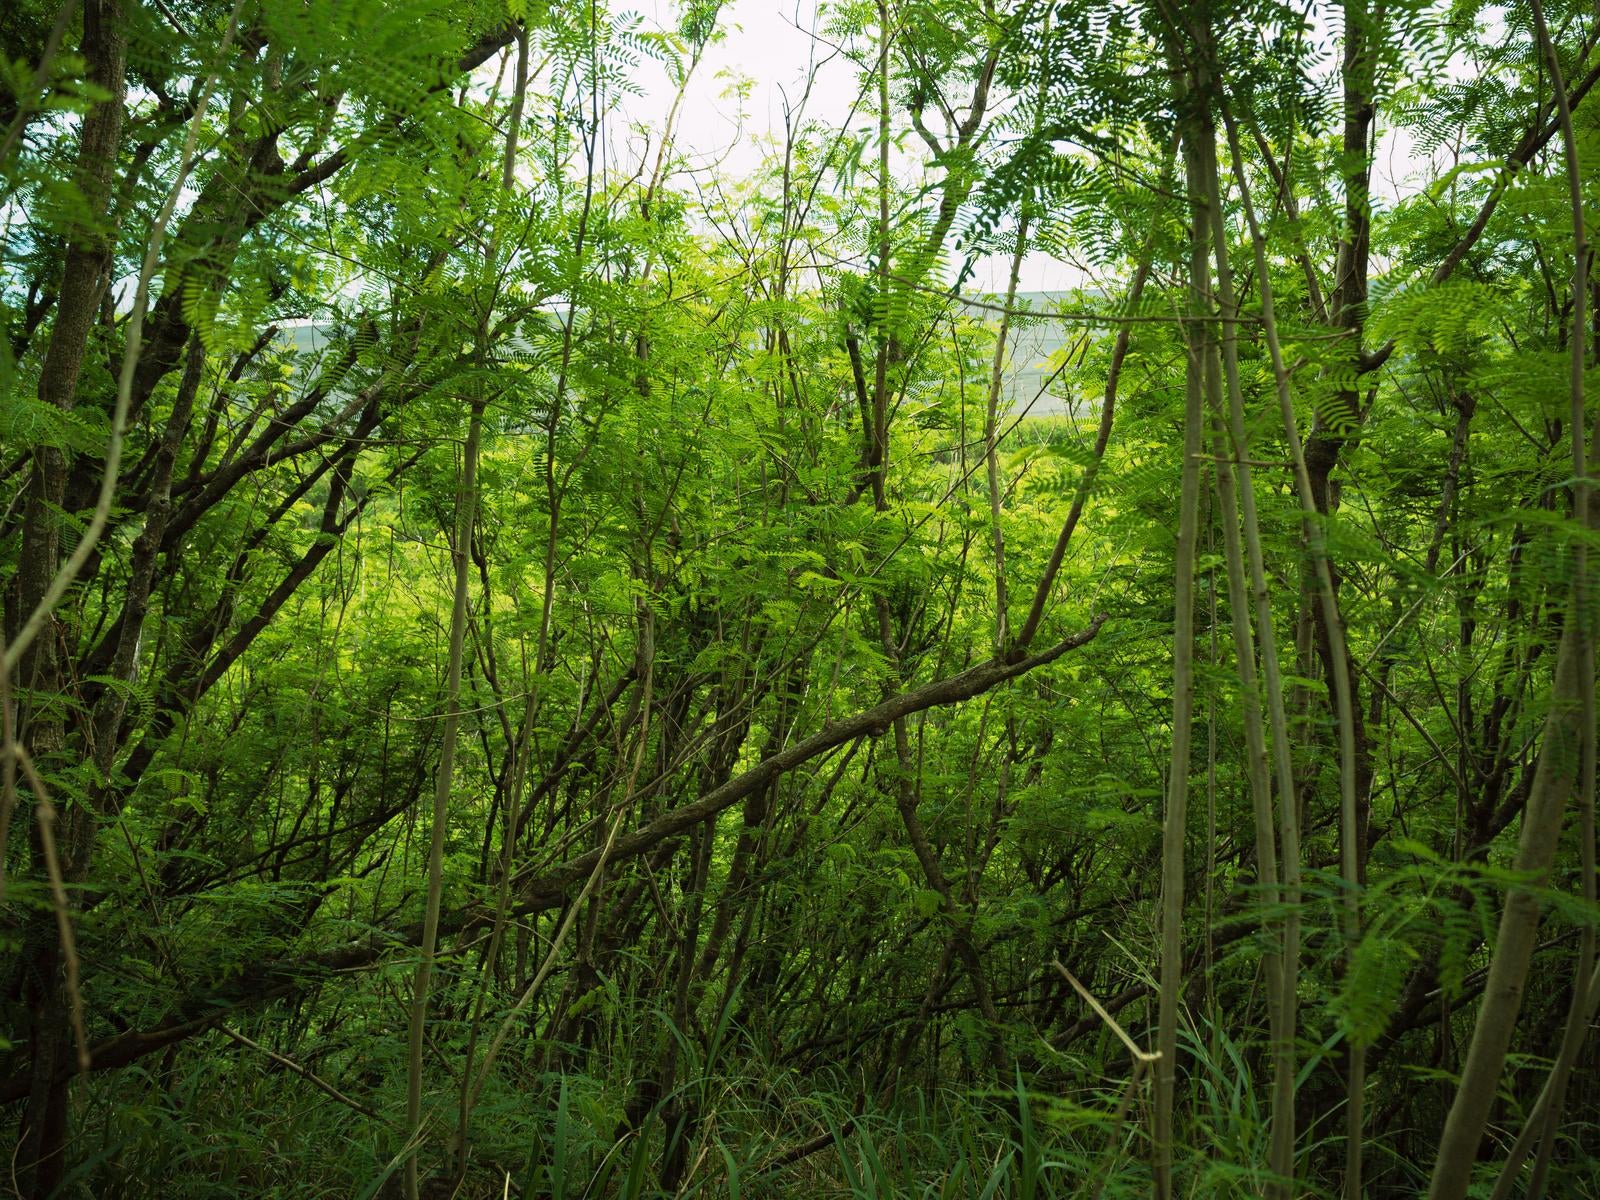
(41, 1158)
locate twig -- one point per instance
(305, 1073)
(28, 103)
(46, 815)
(8, 765)
(68, 570)
(1139, 1056)
(13, 755)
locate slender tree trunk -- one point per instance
(1175, 822)
(1332, 627)
(1285, 1019)
(1565, 770)
(466, 517)
(42, 1150)
(1582, 615)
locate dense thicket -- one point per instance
(536, 666)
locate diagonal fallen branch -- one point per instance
(551, 890)
(305, 1073)
(1142, 1057)
(272, 980)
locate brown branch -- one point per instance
(305, 1073)
(551, 890)
(278, 978)
(1536, 138)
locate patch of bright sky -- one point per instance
(734, 109)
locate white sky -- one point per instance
(771, 44)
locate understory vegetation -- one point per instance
(541, 660)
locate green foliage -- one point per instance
(734, 491)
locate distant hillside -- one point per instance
(1033, 343)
